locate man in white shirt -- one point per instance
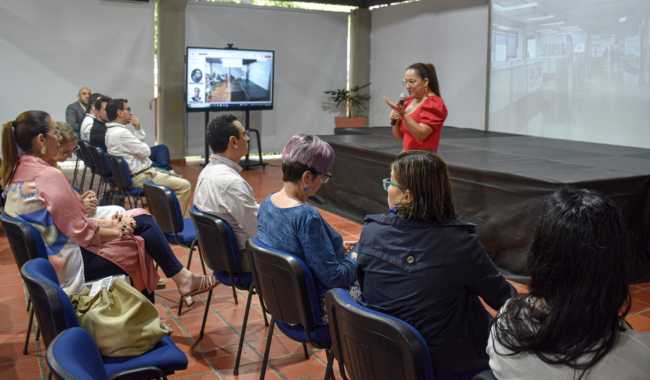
(96, 111)
(122, 141)
(220, 189)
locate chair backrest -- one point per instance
(102, 165)
(164, 207)
(287, 286)
(52, 306)
(73, 355)
(85, 155)
(121, 172)
(217, 242)
(25, 241)
(374, 345)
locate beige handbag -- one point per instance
(122, 320)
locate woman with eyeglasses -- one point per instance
(80, 248)
(421, 264)
(286, 222)
(418, 119)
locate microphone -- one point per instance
(402, 99)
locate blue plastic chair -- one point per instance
(220, 251)
(55, 314)
(164, 206)
(73, 355)
(397, 349)
(289, 291)
(122, 178)
(25, 243)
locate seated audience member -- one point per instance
(96, 114)
(572, 323)
(220, 189)
(288, 223)
(159, 153)
(421, 264)
(97, 135)
(121, 141)
(67, 146)
(80, 248)
(75, 112)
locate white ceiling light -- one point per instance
(540, 18)
(622, 19)
(553, 23)
(506, 8)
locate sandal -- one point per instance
(206, 284)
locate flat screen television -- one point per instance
(229, 79)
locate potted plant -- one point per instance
(350, 103)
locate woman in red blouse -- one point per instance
(418, 121)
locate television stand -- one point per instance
(247, 162)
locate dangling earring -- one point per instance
(44, 150)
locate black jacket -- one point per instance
(431, 275)
(98, 134)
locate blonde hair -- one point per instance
(66, 133)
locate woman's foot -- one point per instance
(190, 284)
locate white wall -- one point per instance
(49, 49)
(310, 51)
(451, 34)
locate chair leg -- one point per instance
(266, 321)
(305, 350)
(38, 332)
(234, 293)
(189, 259)
(243, 330)
(329, 372)
(29, 332)
(202, 262)
(342, 371)
(74, 175)
(83, 179)
(205, 316)
(267, 349)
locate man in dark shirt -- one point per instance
(98, 130)
(76, 111)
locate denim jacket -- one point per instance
(431, 275)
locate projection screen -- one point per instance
(574, 70)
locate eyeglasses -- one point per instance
(410, 81)
(387, 182)
(326, 177)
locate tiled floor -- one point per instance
(213, 357)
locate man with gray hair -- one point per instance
(75, 112)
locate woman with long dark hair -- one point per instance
(418, 119)
(421, 264)
(78, 247)
(572, 325)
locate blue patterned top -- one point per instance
(301, 231)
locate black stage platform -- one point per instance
(499, 181)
